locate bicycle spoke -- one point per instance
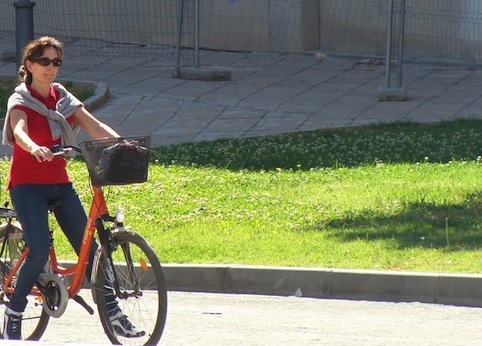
(143, 301)
(35, 320)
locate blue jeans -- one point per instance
(31, 202)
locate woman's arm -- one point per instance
(18, 122)
(90, 124)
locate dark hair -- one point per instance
(35, 49)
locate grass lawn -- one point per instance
(398, 196)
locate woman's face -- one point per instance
(44, 74)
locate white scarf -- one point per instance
(59, 127)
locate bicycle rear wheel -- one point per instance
(142, 284)
(35, 319)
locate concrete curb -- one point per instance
(100, 96)
(212, 74)
(450, 289)
(325, 283)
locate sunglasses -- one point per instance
(44, 61)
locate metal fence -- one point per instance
(148, 28)
(7, 18)
(435, 31)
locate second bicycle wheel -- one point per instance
(143, 296)
(35, 319)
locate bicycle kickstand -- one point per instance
(83, 303)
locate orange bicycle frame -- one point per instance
(98, 208)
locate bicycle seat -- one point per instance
(53, 203)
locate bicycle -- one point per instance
(125, 267)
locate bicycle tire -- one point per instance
(147, 309)
(35, 319)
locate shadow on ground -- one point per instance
(419, 225)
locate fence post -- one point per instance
(394, 91)
(197, 28)
(180, 16)
(196, 72)
(180, 23)
(23, 26)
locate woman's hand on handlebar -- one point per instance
(41, 154)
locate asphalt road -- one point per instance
(224, 319)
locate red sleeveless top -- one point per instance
(25, 169)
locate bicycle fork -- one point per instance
(106, 243)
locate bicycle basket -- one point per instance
(117, 161)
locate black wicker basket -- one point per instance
(117, 161)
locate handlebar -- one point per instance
(63, 149)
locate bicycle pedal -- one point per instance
(2, 299)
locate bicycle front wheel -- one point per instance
(143, 295)
(35, 319)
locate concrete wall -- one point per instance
(356, 27)
(434, 29)
(263, 25)
(124, 21)
(448, 30)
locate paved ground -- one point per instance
(269, 94)
(203, 319)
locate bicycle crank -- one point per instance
(54, 294)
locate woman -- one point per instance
(41, 114)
